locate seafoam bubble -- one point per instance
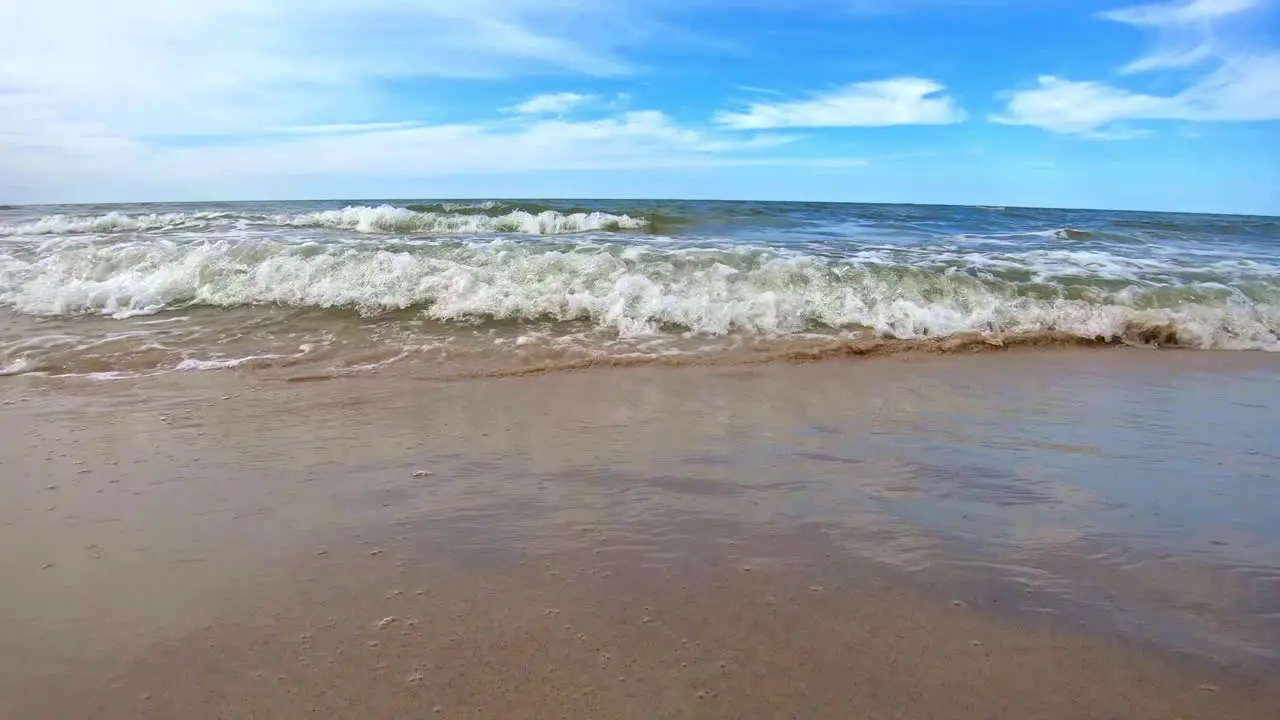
(358, 218)
(113, 222)
(637, 289)
(195, 364)
(188, 364)
(389, 219)
(16, 366)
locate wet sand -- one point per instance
(1065, 534)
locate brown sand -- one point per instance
(606, 544)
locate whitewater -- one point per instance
(125, 289)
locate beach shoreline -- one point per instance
(325, 288)
(880, 537)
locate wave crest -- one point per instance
(387, 219)
(112, 222)
(633, 290)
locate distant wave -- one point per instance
(387, 219)
(460, 207)
(1073, 234)
(1063, 233)
(112, 222)
(448, 219)
(644, 289)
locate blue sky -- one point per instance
(1064, 103)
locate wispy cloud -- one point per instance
(1241, 83)
(1186, 32)
(757, 90)
(1179, 13)
(340, 128)
(638, 139)
(552, 103)
(1079, 107)
(553, 144)
(149, 93)
(175, 95)
(86, 84)
(155, 67)
(878, 103)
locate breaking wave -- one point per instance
(387, 219)
(112, 222)
(445, 218)
(636, 289)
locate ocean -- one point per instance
(458, 288)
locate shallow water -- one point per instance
(1129, 491)
(337, 287)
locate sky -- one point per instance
(1046, 103)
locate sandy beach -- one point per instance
(902, 537)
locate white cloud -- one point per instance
(643, 139)
(640, 138)
(1186, 33)
(552, 103)
(457, 148)
(338, 128)
(1242, 84)
(156, 67)
(757, 90)
(895, 101)
(1180, 13)
(39, 145)
(141, 99)
(1072, 107)
(87, 85)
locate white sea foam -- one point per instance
(362, 219)
(16, 366)
(388, 219)
(221, 364)
(224, 363)
(112, 375)
(112, 222)
(486, 205)
(647, 291)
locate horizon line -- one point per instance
(986, 206)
